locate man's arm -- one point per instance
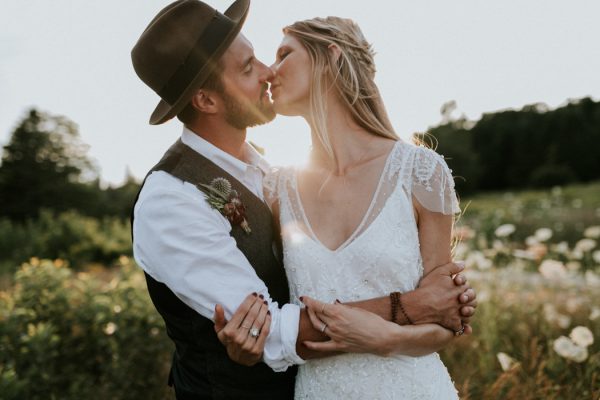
(183, 243)
(439, 299)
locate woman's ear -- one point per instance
(334, 52)
(205, 102)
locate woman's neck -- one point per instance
(351, 144)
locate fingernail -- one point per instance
(265, 302)
(261, 296)
(254, 294)
(461, 264)
(337, 301)
(301, 298)
(269, 312)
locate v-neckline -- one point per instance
(355, 233)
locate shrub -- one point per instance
(69, 236)
(73, 336)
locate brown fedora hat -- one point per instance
(178, 50)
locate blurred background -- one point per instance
(508, 92)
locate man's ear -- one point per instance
(205, 101)
(334, 52)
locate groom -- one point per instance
(195, 254)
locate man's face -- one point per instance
(246, 98)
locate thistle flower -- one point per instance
(222, 185)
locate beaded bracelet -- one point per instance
(396, 300)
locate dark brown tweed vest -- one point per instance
(201, 368)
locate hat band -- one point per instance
(204, 48)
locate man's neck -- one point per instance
(223, 136)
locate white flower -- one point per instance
(543, 234)
(563, 321)
(592, 232)
(110, 328)
(526, 254)
(561, 248)
(476, 259)
(573, 303)
(585, 245)
(591, 278)
(573, 265)
(505, 230)
(565, 348)
(531, 241)
(596, 256)
(117, 309)
(554, 317)
(594, 315)
(551, 269)
(582, 336)
(506, 361)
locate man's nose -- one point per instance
(268, 73)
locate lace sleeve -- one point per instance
(432, 182)
(271, 185)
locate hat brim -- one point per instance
(164, 111)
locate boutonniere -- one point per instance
(224, 199)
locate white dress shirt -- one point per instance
(184, 243)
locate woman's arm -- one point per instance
(355, 330)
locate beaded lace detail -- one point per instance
(381, 256)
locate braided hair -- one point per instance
(352, 74)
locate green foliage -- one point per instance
(70, 236)
(66, 336)
(43, 166)
(532, 147)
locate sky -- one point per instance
(72, 58)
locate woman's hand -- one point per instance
(351, 329)
(245, 335)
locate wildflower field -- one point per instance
(533, 257)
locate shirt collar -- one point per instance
(225, 160)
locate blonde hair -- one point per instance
(351, 75)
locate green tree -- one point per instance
(45, 165)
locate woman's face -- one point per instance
(290, 85)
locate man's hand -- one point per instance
(443, 297)
(236, 335)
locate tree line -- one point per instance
(534, 147)
(45, 165)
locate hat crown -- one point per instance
(168, 40)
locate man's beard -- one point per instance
(241, 116)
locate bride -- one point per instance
(368, 215)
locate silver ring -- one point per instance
(323, 328)
(460, 332)
(254, 332)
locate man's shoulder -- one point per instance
(160, 183)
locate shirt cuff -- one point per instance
(280, 348)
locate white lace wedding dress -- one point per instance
(381, 256)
